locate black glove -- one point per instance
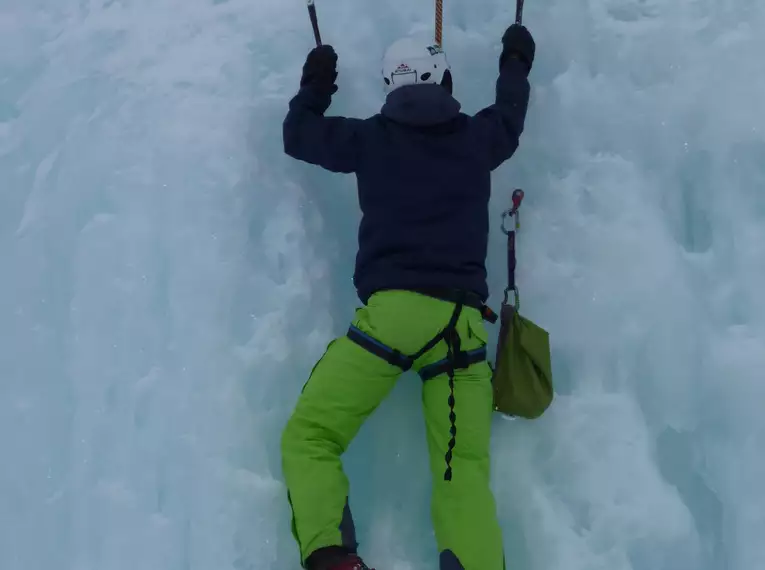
(517, 43)
(320, 69)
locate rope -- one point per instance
(439, 22)
(452, 342)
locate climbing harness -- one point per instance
(456, 358)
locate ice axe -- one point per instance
(314, 21)
(519, 12)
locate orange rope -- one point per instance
(439, 21)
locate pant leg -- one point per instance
(345, 387)
(463, 509)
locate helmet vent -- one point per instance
(425, 76)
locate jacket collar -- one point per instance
(421, 105)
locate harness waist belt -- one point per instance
(466, 298)
(459, 297)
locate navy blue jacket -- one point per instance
(424, 178)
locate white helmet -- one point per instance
(408, 62)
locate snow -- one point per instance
(169, 278)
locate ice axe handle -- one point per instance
(519, 12)
(314, 21)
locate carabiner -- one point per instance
(517, 303)
(513, 212)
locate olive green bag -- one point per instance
(522, 379)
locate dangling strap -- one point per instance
(511, 259)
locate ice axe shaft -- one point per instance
(314, 21)
(519, 12)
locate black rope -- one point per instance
(453, 346)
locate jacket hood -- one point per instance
(421, 105)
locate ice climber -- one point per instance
(423, 171)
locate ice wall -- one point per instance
(169, 278)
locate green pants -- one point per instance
(348, 384)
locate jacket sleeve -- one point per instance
(499, 126)
(330, 142)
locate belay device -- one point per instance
(522, 375)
